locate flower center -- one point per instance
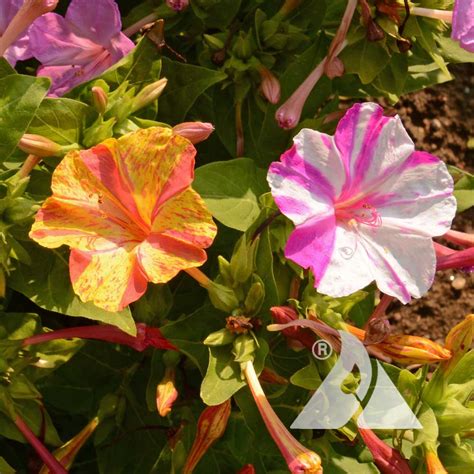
(361, 212)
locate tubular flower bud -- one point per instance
(270, 376)
(39, 146)
(146, 336)
(458, 341)
(433, 464)
(300, 460)
(177, 5)
(27, 14)
(270, 85)
(195, 132)
(462, 259)
(210, 427)
(459, 238)
(67, 453)
(284, 315)
(335, 68)
(148, 94)
(386, 458)
(166, 392)
(100, 99)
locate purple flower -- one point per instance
(80, 46)
(18, 50)
(463, 24)
(365, 205)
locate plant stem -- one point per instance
(53, 464)
(444, 15)
(136, 27)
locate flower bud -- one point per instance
(148, 94)
(177, 5)
(334, 68)
(270, 376)
(99, 99)
(386, 458)
(210, 427)
(408, 350)
(247, 469)
(67, 453)
(459, 238)
(374, 32)
(458, 341)
(285, 314)
(463, 259)
(166, 392)
(195, 132)
(39, 146)
(433, 464)
(254, 299)
(222, 297)
(270, 85)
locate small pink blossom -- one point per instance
(80, 46)
(177, 5)
(365, 205)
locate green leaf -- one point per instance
(365, 58)
(47, 284)
(186, 83)
(427, 436)
(60, 120)
(216, 14)
(18, 326)
(20, 97)
(223, 377)
(308, 377)
(464, 192)
(451, 50)
(5, 468)
(231, 190)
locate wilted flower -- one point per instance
(300, 459)
(365, 205)
(386, 458)
(127, 210)
(67, 453)
(80, 46)
(210, 427)
(195, 132)
(166, 392)
(16, 16)
(285, 314)
(147, 336)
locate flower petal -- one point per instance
(54, 43)
(403, 264)
(300, 190)
(111, 279)
(320, 153)
(162, 257)
(98, 22)
(311, 245)
(372, 147)
(349, 268)
(185, 217)
(411, 202)
(463, 25)
(8, 10)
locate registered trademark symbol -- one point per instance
(322, 350)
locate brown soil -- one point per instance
(440, 121)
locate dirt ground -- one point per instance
(441, 121)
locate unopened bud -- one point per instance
(458, 341)
(67, 453)
(166, 392)
(254, 299)
(148, 94)
(243, 46)
(99, 99)
(195, 132)
(210, 427)
(270, 376)
(177, 5)
(334, 68)
(242, 262)
(270, 85)
(222, 297)
(39, 146)
(433, 464)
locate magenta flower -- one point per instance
(18, 50)
(365, 205)
(80, 46)
(463, 24)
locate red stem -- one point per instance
(53, 464)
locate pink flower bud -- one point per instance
(177, 5)
(195, 132)
(166, 392)
(38, 145)
(270, 85)
(386, 458)
(99, 99)
(334, 68)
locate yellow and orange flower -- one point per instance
(127, 211)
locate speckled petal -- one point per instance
(110, 279)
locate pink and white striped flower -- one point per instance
(365, 205)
